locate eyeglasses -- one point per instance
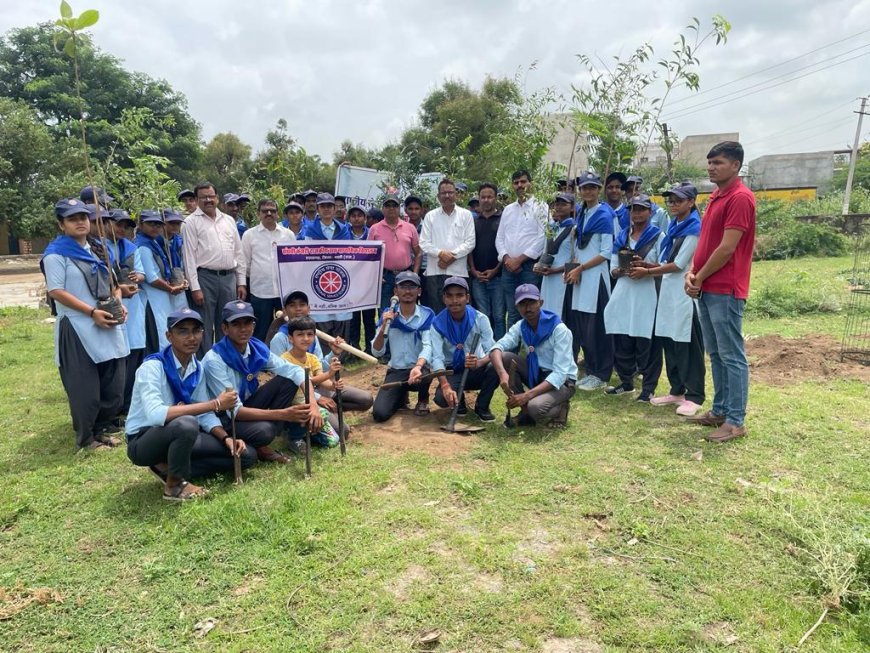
(207, 197)
(269, 211)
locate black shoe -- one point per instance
(484, 414)
(644, 396)
(619, 390)
(296, 448)
(463, 409)
(525, 420)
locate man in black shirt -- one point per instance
(485, 268)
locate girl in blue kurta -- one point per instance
(90, 345)
(631, 311)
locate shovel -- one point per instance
(452, 426)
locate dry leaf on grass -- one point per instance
(13, 601)
(204, 627)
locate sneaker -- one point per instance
(687, 408)
(463, 409)
(644, 397)
(591, 383)
(619, 390)
(296, 448)
(484, 414)
(668, 399)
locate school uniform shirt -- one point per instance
(135, 305)
(219, 376)
(442, 350)
(675, 308)
(406, 348)
(631, 310)
(584, 297)
(160, 301)
(448, 232)
(521, 230)
(210, 243)
(660, 218)
(101, 345)
(152, 396)
(553, 285)
(259, 259)
(620, 220)
(554, 354)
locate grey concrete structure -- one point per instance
(560, 147)
(801, 170)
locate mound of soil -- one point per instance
(775, 360)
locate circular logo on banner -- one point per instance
(330, 282)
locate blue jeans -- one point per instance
(510, 281)
(722, 327)
(488, 298)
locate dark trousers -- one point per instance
(638, 355)
(264, 313)
(684, 364)
(352, 398)
(591, 336)
(434, 286)
(481, 378)
(152, 339)
(390, 400)
(217, 289)
(548, 405)
(510, 281)
(95, 390)
(367, 318)
(134, 360)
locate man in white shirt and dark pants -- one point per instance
(447, 238)
(212, 251)
(258, 264)
(520, 241)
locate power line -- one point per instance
(790, 132)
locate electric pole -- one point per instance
(854, 159)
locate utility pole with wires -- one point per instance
(854, 159)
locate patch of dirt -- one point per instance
(538, 543)
(248, 585)
(779, 361)
(488, 583)
(402, 585)
(571, 645)
(720, 633)
(407, 432)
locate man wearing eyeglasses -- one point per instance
(212, 251)
(258, 264)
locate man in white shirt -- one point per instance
(447, 238)
(259, 267)
(212, 250)
(520, 241)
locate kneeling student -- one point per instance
(549, 370)
(172, 427)
(260, 411)
(410, 346)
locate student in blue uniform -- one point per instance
(548, 369)
(362, 323)
(614, 195)
(90, 346)
(562, 248)
(409, 346)
(159, 291)
(452, 332)
(631, 311)
(261, 411)
(172, 427)
(173, 221)
(589, 284)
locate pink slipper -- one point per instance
(667, 399)
(688, 408)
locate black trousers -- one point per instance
(152, 339)
(277, 393)
(134, 360)
(95, 390)
(591, 336)
(638, 355)
(434, 285)
(367, 318)
(684, 364)
(264, 313)
(389, 400)
(482, 378)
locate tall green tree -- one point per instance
(226, 162)
(862, 171)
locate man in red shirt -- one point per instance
(719, 279)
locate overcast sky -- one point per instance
(358, 70)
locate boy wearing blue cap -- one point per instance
(90, 345)
(548, 370)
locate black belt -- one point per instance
(220, 273)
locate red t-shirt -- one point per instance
(732, 208)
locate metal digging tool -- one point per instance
(339, 405)
(307, 396)
(237, 459)
(512, 379)
(452, 426)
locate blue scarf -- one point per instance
(547, 323)
(425, 325)
(256, 361)
(156, 246)
(175, 244)
(181, 390)
(600, 222)
(286, 331)
(622, 214)
(690, 226)
(126, 249)
(68, 247)
(314, 231)
(651, 232)
(456, 333)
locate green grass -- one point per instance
(606, 535)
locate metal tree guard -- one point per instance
(856, 336)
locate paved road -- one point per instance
(21, 289)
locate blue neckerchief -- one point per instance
(256, 361)
(425, 325)
(175, 244)
(286, 331)
(566, 223)
(651, 232)
(622, 214)
(547, 323)
(314, 231)
(600, 222)
(365, 235)
(691, 226)
(156, 246)
(66, 246)
(126, 249)
(456, 333)
(181, 390)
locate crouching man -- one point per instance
(548, 369)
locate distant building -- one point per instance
(801, 170)
(563, 142)
(692, 149)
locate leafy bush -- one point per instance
(790, 295)
(795, 239)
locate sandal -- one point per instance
(108, 440)
(183, 492)
(421, 409)
(95, 445)
(269, 455)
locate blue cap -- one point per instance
(411, 199)
(641, 200)
(185, 193)
(308, 193)
(474, 200)
(325, 198)
(293, 205)
(527, 291)
(633, 179)
(407, 275)
(391, 197)
(296, 294)
(120, 215)
(356, 207)
(455, 281)
(684, 190)
(461, 187)
(375, 214)
(150, 215)
(244, 197)
(588, 178)
(171, 215)
(230, 197)
(181, 315)
(297, 197)
(92, 211)
(566, 197)
(619, 176)
(88, 193)
(236, 309)
(70, 206)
